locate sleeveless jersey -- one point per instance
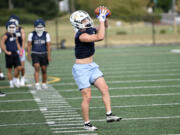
(39, 44)
(19, 35)
(84, 49)
(11, 42)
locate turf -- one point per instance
(144, 85)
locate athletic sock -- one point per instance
(86, 122)
(108, 113)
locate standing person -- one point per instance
(10, 46)
(39, 49)
(1, 73)
(85, 71)
(21, 39)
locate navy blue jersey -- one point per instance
(19, 35)
(10, 43)
(84, 49)
(39, 44)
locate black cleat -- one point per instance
(2, 94)
(90, 127)
(112, 118)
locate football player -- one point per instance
(10, 46)
(21, 39)
(39, 49)
(85, 71)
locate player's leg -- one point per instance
(1, 75)
(44, 63)
(36, 65)
(86, 98)
(9, 74)
(44, 77)
(22, 81)
(103, 88)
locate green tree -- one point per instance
(47, 9)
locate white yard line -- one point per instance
(138, 95)
(54, 103)
(125, 88)
(72, 112)
(128, 81)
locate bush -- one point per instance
(25, 17)
(163, 31)
(121, 33)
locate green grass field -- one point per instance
(144, 84)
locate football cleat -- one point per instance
(22, 82)
(112, 118)
(16, 83)
(2, 94)
(90, 127)
(44, 86)
(38, 86)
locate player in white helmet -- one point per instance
(85, 71)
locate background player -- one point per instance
(21, 39)
(85, 71)
(39, 44)
(10, 46)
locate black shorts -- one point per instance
(42, 59)
(12, 60)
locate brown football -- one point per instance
(96, 11)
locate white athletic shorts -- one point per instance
(86, 74)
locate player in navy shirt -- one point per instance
(39, 49)
(85, 71)
(10, 46)
(20, 34)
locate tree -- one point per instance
(47, 9)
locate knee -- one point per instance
(105, 90)
(44, 71)
(87, 99)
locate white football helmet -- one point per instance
(78, 17)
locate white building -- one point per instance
(64, 5)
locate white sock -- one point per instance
(109, 112)
(11, 82)
(37, 84)
(86, 122)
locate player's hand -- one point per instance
(8, 53)
(21, 52)
(102, 15)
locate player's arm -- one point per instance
(29, 46)
(48, 46)
(23, 38)
(101, 32)
(94, 37)
(3, 46)
(19, 47)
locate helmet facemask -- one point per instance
(40, 29)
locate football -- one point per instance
(96, 11)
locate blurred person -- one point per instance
(10, 46)
(85, 71)
(20, 34)
(1, 73)
(39, 49)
